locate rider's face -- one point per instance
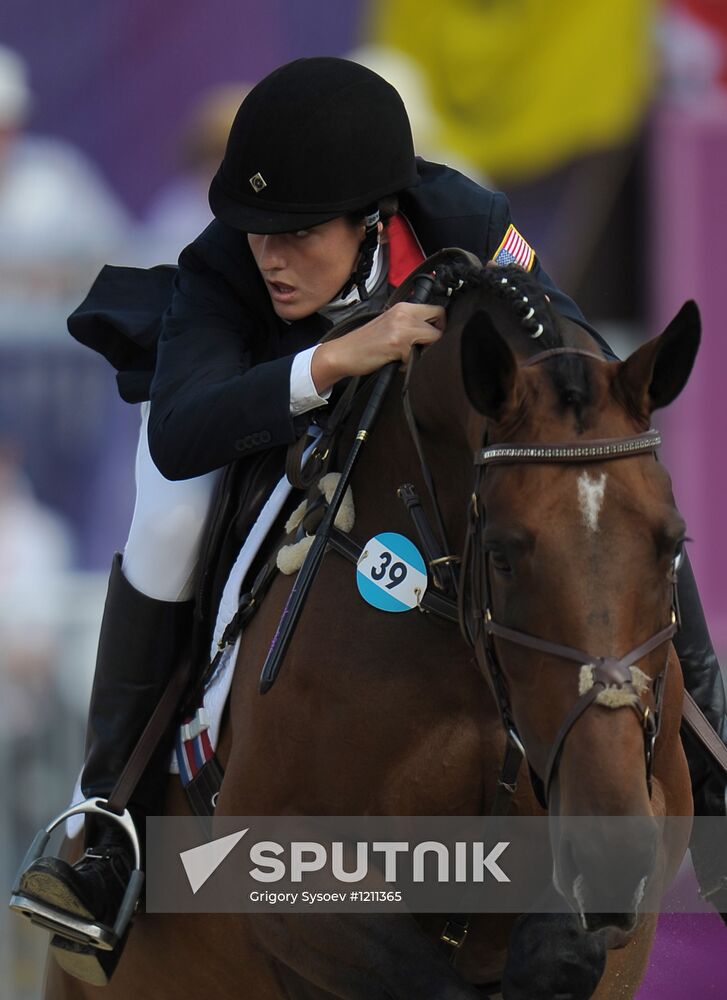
(305, 269)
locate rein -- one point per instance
(418, 287)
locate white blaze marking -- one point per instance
(590, 497)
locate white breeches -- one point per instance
(162, 550)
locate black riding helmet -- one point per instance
(316, 139)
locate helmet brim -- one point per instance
(256, 219)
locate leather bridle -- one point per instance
(471, 586)
(480, 628)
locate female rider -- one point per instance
(300, 240)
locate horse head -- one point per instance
(569, 578)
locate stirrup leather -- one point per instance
(86, 932)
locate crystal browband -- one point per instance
(593, 451)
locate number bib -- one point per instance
(391, 574)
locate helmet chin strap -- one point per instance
(365, 257)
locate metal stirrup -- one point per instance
(88, 932)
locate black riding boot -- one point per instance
(140, 643)
(703, 680)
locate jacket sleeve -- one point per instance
(209, 404)
(500, 220)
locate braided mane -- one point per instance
(522, 312)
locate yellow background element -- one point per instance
(523, 86)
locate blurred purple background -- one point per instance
(117, 80)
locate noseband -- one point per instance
(611, 680)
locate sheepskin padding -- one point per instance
(613, 696)
(290, 557)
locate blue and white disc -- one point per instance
(391, 574)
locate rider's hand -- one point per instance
(387, 338)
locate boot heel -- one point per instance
(92, 965)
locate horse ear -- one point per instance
(655, 374)
(489, 368)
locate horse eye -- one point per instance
(499, 561)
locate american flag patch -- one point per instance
(514, 250)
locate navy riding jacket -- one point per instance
(202, 340)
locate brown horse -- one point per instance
(377, 714)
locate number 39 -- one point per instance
(396, 571)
